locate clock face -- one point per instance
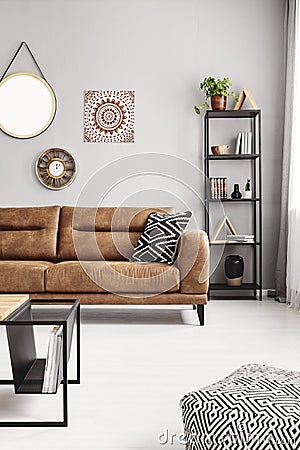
(56, 168)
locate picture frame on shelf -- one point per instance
(224, 221)
(245, 93)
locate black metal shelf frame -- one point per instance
(255, 160)
(27, 369)
(241, 200)
(234, 243)
(233, 114)
(225, 287)
(231, 156)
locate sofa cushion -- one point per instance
(23, 276)
(160, 237)
(106, 233)
(96, 246)
(29, 233)
(112, 276)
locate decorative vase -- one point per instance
(234, 270)
(218, 102)
(247, 194)
(236, 194)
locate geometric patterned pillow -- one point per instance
(160, 237)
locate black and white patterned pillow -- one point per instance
(160, 237)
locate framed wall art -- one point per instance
(109, 116)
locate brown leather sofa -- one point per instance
(52, 252)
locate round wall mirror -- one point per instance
(27, 105)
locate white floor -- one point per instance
(138, 362)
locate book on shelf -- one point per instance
(241, 241)
(232, 241)
(244, 238)
(244, 143)
(249, 142)
(218, 188)
(242, 146)
(240, 236)
(54, 362)
(238, 143)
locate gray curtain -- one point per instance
(291, 42)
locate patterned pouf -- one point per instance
(255, 408)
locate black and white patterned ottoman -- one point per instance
(255, 408)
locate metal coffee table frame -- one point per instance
(28, 370)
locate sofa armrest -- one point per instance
(193, 262)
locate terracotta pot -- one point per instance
(218, 102)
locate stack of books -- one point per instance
(244, 143)
(240, 238)
(54, 362)
(218, 187)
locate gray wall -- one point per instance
(162, 49)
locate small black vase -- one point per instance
(234, 270)
(236, 194)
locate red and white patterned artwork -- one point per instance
(109, 116)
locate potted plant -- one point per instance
(247, 193)
(218, 91)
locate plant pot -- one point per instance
(218, 102)
(247, 194)
(234, 270)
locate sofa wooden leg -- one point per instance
(200, 312)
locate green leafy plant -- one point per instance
(248, 185)
(212, 86)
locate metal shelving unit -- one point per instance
(248, 290)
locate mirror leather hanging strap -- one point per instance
(23, 43)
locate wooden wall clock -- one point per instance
(56, 168)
